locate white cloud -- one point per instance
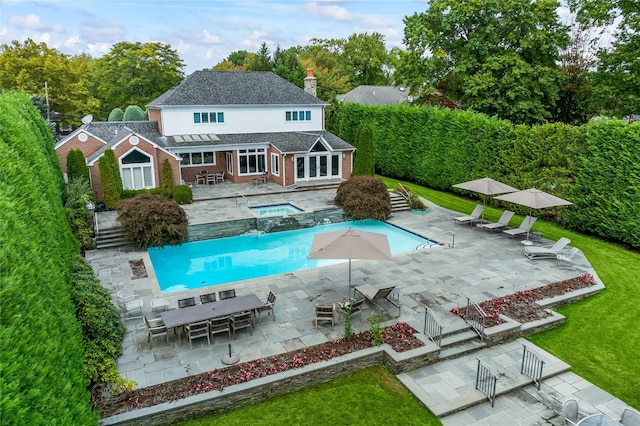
(336, 12)
(98, 49)
(72, 42)
(210, 38)
(33, 22)
(44, 38)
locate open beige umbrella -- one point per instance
(350, 244)
(485, 186)
(534, 199)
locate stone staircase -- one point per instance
(448, 386)
(111, 237)
(399, 203)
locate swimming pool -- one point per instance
(222, 260)
(275, 209)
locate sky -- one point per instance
(202, 32)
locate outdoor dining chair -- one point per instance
(242, 320)
(220, 325)
(197, 330)
(268, 307)
(185, 303)
(207, 298)
(129, 309)
(325, 313)
(570, 411)
(227, 294)
(155, 328)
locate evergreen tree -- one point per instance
(134, 113)
(363, 163)
(116, 114)
(110, 179)
(77, 165)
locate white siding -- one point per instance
(178, 120)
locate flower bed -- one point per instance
(399, 336)
(520, 306)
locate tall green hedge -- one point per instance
(595, 166)
(42, 379)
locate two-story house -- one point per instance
(242, 124)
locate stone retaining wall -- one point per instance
(233, 228)
(259, 390)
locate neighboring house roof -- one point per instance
(234, 88)
(376, 95)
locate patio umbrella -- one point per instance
(350, 244)
(534, 199)
(485, 186)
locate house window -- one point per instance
(275, 164)
(252, 161)
(297, 115)
(136, 171)
(197, 158)
(208, 117)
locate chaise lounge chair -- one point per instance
(381, 298)
(503, 222)
(524, 227)
(473, 217)
(548, 251)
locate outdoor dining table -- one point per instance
(207, 311)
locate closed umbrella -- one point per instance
(350, 244)
(534, 199)
(485, 186)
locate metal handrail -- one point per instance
(433, 326)
(246, 200)
(453, 238)
(532, 366)
(486, 381)
(476, 317)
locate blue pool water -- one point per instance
(275, 210)
(204, 263)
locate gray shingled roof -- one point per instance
(375, 95)
(235, 88)
(287, 142)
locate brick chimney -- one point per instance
(310, 83)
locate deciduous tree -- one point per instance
(499, 56)
(28, 66)
(137, 73)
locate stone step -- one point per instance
(457, 350)
(517, 381)
(111, 237)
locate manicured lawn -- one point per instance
(368, 397)
(601, 336)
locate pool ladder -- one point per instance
(246, 200)
(450, 245)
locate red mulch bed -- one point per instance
(399, 336)
(520, 306)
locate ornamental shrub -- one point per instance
(134, 113)
(110, 179)
(152, 220)
(364, 197)
(100, 320)
(182, 194)
(77, 165)
(116, 114)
